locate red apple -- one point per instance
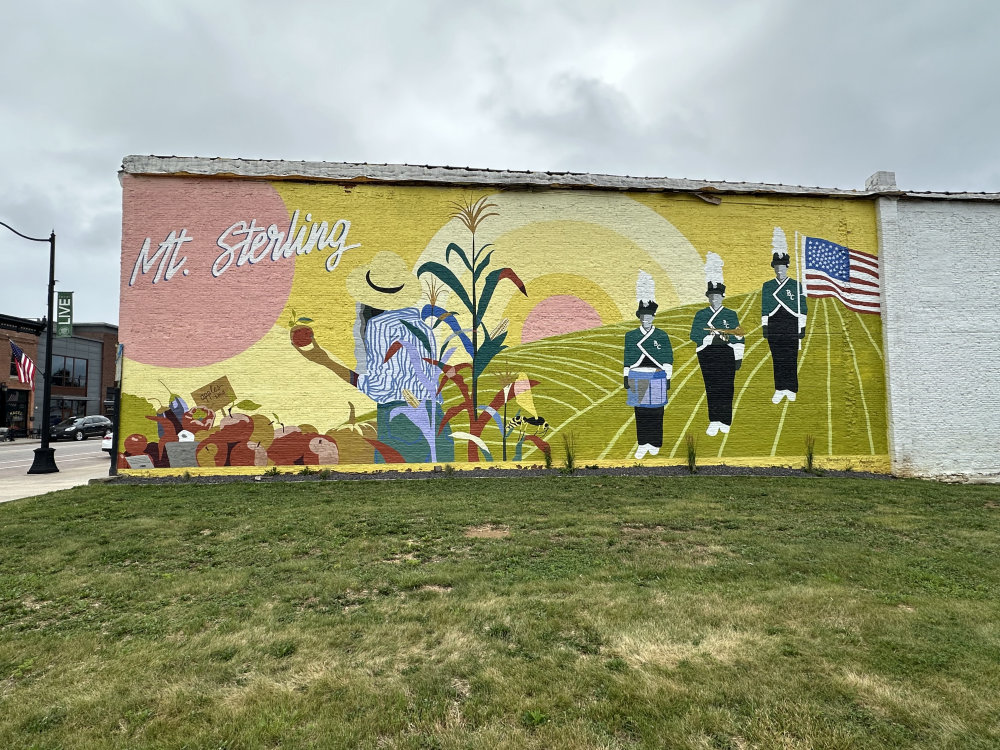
(289, 446)
(302, 336)
(135, 444)
(236, 428)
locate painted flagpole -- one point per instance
(798, 287)
(801, 282)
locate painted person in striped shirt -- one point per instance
(404, 386)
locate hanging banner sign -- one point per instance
(64, 314)
(119, 354)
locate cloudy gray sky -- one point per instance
(783, 91)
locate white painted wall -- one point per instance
(940, 267)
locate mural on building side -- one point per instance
(303, 324)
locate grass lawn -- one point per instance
(511, 613)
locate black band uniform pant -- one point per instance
(649, 425)
(718, 369)
(783, 340)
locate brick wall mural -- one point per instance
(295, 323)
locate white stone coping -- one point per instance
(265, 169)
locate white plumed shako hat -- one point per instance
(645, 295)
(713, 274)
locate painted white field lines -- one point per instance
(606, 339)
(621, 430)
(589, 367)
(545, 377)
(553, 399)
(551, 375)
(875, 346)
(829, 377)
(538, 359)
(687, 425)
(570, 369)
(861, 387)
(579, 413)
(591, 344)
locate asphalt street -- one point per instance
(78, 463)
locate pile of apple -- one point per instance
(234, 439)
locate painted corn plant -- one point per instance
(481, 343)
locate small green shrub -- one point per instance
(272, 472)
(449, 470)
(810, 452)
(569, 448)
(548, 458)
(692, 453)
(308, 471)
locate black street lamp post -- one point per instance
(45, 460)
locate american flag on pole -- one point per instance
(25, 367)
(851, 276)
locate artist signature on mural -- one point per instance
(247, 242)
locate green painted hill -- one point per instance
(841, 401)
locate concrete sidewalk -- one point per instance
(75, 469)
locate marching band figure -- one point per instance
(649, 363)
(783, 320)
(719, 338)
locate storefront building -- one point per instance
(82, 372)
(16, 398)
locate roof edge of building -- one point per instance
(21, 325)
(341, 172)
(443, 175)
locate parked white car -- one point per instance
(106, 441)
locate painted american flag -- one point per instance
(851, 276)
(25, 367)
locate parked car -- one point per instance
(80, 428)
(106, 441)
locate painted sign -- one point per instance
(295, 323)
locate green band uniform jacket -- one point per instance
(775, 296)
(645, 347)
(721, 318)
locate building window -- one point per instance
(63, 408)
(69, 371)
(17, 410)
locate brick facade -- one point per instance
(20, 398)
